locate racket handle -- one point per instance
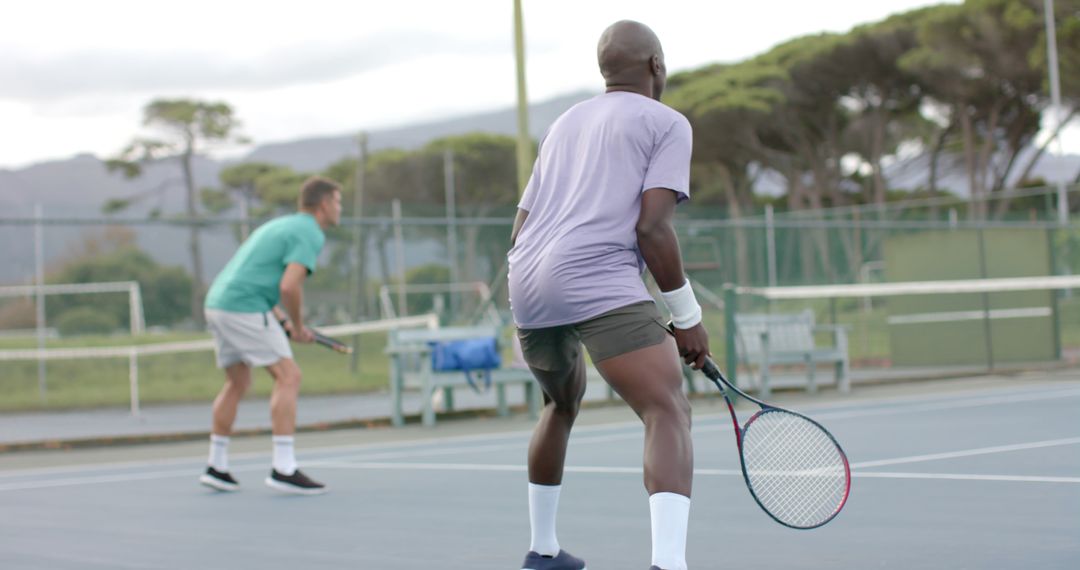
(333, 344)
(711, 370)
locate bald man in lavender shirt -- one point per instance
(597, 211)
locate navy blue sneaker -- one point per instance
(561, 561)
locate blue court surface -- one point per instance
(978, 473)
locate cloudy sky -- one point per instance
(74, 75)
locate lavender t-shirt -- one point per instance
(577, 256)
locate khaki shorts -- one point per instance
(255, 339)
(616, 332)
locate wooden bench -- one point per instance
(768, 339)
(410, 367)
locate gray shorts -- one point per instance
(255, 339)
(616, 332)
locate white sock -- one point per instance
(284, 461)
(543, 504)
(219, 452)
(670, 515)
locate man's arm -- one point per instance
(292, 299)
(660, 247)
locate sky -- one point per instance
(75, 75)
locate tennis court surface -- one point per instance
(979, 473)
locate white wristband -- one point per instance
(685, 310)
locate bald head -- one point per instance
(631, 58)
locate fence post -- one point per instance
(731, 300)
(135, 309)
(770, 244)
(450, 190)
(133, 379)
(399, 254)
(39, 305)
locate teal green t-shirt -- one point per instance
(251, 281)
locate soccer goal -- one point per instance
(137, 319)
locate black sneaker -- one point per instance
(220, 480)
(297, 483)
(561, 561)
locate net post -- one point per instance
(1054, 296)
(135, 309)
(731, 306)
(988, 330)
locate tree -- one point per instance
(258, 187)
(883, 99)
(485, 179)
(163, 288)
(185, 127)
(726, 105)
(483, 167)
(980, 63)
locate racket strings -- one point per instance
(788, 494)
(794, 468)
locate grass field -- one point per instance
(192, 377)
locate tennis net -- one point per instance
(176, 370)
(926, 327)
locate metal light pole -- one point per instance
(357, 286)
(450, 190)
(1055, 101)
(39, 298)
(524, 142)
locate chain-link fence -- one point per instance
(411, 258)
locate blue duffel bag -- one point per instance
(469, 356)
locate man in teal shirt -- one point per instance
(244, 318)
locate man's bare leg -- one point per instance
(237, 382)
(284, 395)
(563, 391)
(650, 380)
(286, 477)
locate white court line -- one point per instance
(726, 425)
(123, 477)
(94, 479)
(343, 464)
(969, 477)
(636, 434)
(949, 405)
(331, 449)
(908, 405)
(895, 405)
(484, 467)
(968, 452)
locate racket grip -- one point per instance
(710, 369)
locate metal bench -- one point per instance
(410, 367)
(768, 339)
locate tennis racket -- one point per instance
(793, 466)
(329, 342)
